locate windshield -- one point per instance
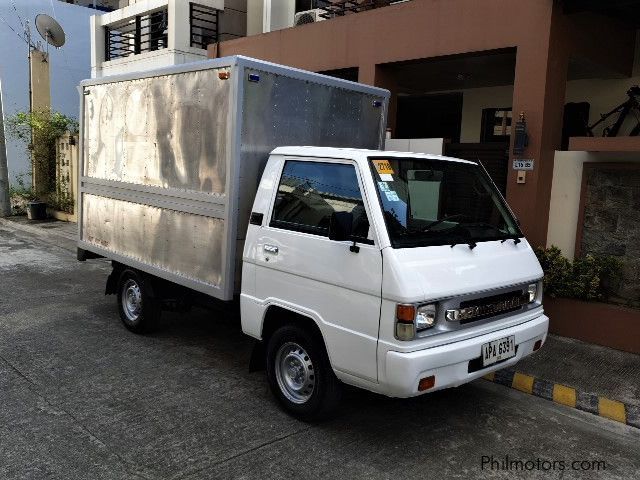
(440, 202)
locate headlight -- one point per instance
(426, 317)
(533, 291)
(410, 320)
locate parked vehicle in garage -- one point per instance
(396, 272)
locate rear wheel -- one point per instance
(139, 311)
(300, 375)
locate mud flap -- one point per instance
(84, 255)
(112, 282)
(258, 360)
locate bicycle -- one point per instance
(623, 110)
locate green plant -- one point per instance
(22, 188)
(62, 199)
(21, 193)
(591, 277)
(557, 270)
(39, 130)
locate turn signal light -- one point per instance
(426, 383)
(224, 75)
(405, 313)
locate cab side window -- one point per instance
(309, 192)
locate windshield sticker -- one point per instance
(392, 196)
(383, 186)
(386, 177)
(383, 167)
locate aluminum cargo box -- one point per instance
(171, 158)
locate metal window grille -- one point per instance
(338, 8)
(144, 33)
(204, 25)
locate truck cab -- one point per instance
(399, 273)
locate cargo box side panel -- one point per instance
(168, 240)
(154, 187)
(167, 131)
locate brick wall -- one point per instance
(611, 224)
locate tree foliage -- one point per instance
(590, 277)
(39, 130)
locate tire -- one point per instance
(300, 375)
(139, 310)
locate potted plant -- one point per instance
(39, 130)
(36, 210)
(24, 200)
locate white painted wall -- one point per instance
(255, 17)
(602, 94)
(433, 146)
(474, 101)
(178, 49)
(278, 14)
(69, 65)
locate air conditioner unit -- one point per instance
(308, 16)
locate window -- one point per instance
(204, 25)
(496, 125)
(309, 192)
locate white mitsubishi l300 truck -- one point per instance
(400, 273)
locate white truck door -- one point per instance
(299, 266)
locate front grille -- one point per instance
(485, 307)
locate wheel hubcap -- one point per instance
(131, 300)
(295, 373)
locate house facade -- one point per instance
(467, 71)
(520, 86)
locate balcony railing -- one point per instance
(203, 22)
(144, 33)
(338, 8)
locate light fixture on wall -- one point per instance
(521, 136)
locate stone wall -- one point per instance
(611, 223)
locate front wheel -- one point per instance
(300, 375)
(139, 311)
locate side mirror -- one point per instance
(341, 226)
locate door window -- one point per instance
(309, 192)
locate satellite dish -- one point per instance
(50, 30)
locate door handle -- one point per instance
(271, 249)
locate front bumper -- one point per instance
(450, 363)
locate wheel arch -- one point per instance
(276, 316)
(115, 278)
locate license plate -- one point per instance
(498, 350)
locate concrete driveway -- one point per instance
(81, 397)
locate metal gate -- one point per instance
(494, 157)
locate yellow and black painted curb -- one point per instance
(569, 396)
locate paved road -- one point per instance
(80, 397)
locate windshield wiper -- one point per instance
(464, 234)
(471, 244)
(515, 238)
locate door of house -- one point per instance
(430, 116)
